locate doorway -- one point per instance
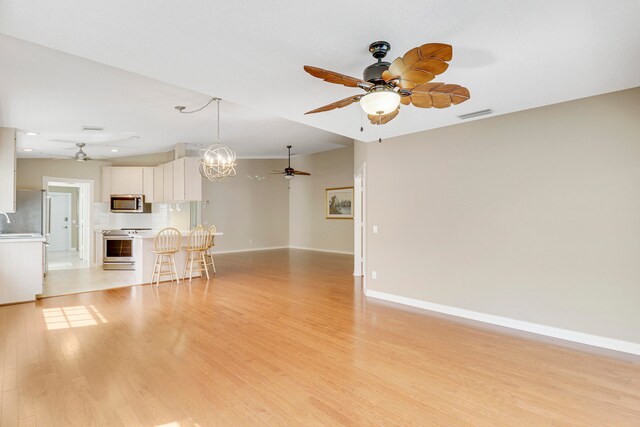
(69, 243)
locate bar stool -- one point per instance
(165, 245)
(208, 255)
(197, 245)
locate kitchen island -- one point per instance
(21, 267)
(144, 258)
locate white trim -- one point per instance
(233, 251)
(86, 184)
(270, 248)
(550, 331)
(332, 251)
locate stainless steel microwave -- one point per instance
(129, 203)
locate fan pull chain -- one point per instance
(361, 127)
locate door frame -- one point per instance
(69, 217)
(85, 212)
(360, 224)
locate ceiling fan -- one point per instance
(404, 81)
(289, 172)
(80, 155)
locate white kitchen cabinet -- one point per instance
(192, 180)
(178, 180)
(158, 184)
(187, 181)
(174, 182)
(106, 184)
(167, 179)
(147, 185)
(7, 170)
(127, 180)
(21, 275)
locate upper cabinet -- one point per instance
(167, 179)
(173, 182)
(158, 184)
(182, 181)
(192, 180)
(147, 185)
(127, 180)
(7, 170)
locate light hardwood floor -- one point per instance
(286, 338)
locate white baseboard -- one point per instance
(332, 251)
(233, 251)
(550, 331)
(269, 248)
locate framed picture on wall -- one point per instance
(339, 203)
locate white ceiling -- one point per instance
(511, 55)
(55, 94)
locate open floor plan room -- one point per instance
(286, 337)
(358, 213)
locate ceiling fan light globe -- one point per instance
(289, 176)
(379, 102)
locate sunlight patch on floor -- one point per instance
(71, 317)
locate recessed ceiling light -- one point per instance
(134, 137)
(114, 150)
(27, 150)
(32, 133)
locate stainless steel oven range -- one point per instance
(117, 250)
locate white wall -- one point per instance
(252, 213)
(308, 227)
(533, 216)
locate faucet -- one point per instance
(6, 216)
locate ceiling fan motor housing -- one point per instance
(373, 73)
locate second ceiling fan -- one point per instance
(404, 81)
(289, 172)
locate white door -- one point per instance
(60, 238)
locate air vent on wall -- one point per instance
(475, 114)
(92, 129)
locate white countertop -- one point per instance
(21, 238)
(151, 234)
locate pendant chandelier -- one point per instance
(217, 161)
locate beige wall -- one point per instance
(533, 215)
(74, 210)
(308, 227)
(30, 171)
(252, 213)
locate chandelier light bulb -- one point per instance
(380, 101)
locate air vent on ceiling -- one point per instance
(92, 129)
(475, 114)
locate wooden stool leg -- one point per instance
(204, 265)
(175, 269)
(155, 266)
(159, 270)
(191, 266)
(184, 270)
